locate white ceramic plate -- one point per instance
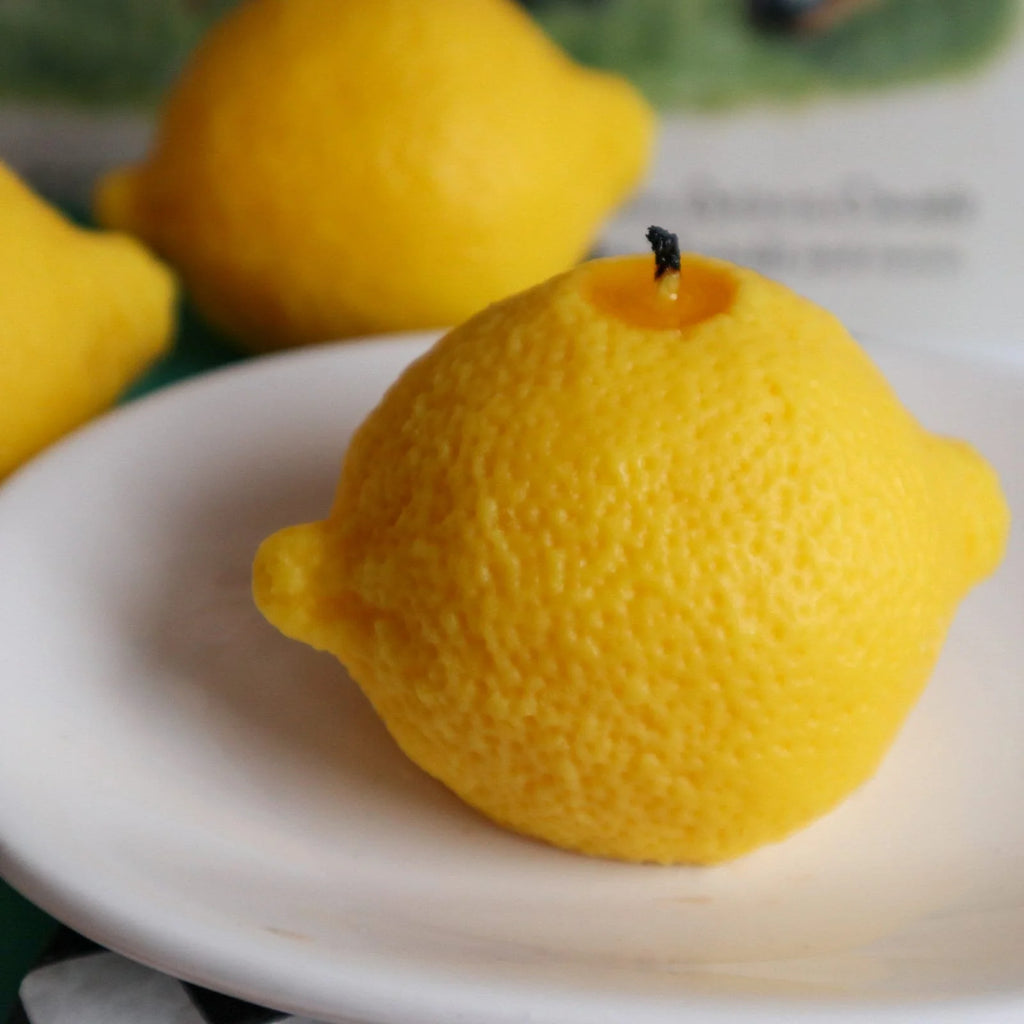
(186, 786)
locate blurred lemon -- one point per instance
(82, 314)
(326, 168)
(649, 570)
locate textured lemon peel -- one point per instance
(483, 144)
(642, 599)
(83, 314)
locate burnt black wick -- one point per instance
(666, 250)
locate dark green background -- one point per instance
(24, 931)
(687, 54)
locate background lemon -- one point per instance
(652, 571)
(82, 314)
(327, 168)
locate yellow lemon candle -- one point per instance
(649, 571)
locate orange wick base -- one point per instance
(627, 290)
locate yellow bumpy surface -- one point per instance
(82, 313)
(325, 169)
(648, 572)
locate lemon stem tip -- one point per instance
(665, 246)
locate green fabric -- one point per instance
(707, 55)
(690, 54)
(24, 932)
(98, 53)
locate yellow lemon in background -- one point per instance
(649, 570)
(326, 168)
(82, 313)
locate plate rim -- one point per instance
(180, 953)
